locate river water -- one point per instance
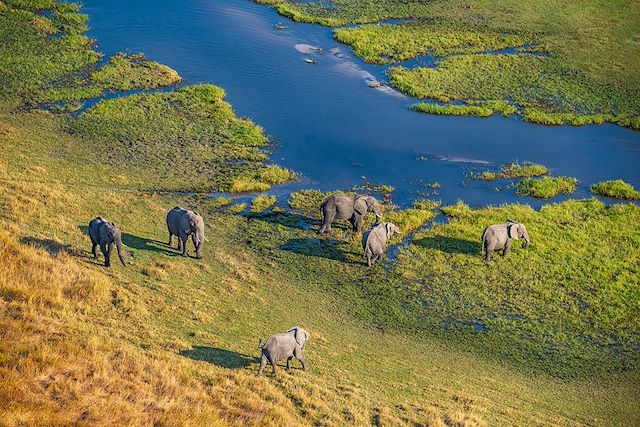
(329, 125)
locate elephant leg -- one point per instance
(263, 363)
(93, 250)
(298, 354)
(357, 223)
(106, 251)
(170, 239)
(289, 364)
(507, 248)
(184, 238)
(327, 219)
(273, 364)
(487, 254)
(369, 263)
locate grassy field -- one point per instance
(570, 63)
(434, 336)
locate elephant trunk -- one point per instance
(119, 249)
(525, 245)
(376, 211)
(199, 234)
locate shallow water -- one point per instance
(328, 123)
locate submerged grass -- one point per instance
(126, 72)
(616, 189)
(546, 187)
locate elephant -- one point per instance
(501, 236)
(105, 234)
(352, 208)
(284, 346)
(182, 223)
(374, 241)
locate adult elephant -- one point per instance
(499, 236)
(105, 234)
(184, 223)
(352, 208)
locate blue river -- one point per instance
(329, 125)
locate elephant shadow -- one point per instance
(288, 219)
(54, 248)
(316, 247)
(219, 357)
(451, 245)
(141, 243)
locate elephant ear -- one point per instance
(360, 206)
(297, 334)
(388, 227)
(512, 230)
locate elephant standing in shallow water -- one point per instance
(184, 223)
(105, 234)
(374, 241)
(352, 208)
(284, 346)
(501, 236)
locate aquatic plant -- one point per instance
(262, 202)
(513, 170)
(126, 72)
(616, 189)
(453, 110)
(546, 187)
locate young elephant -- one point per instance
(501, 236)
(352, 208)
(374, 241)
(284, 346)
(105, 234)
(184, 223)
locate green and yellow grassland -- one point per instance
(570, 63)
(434, 337)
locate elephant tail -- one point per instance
(260, 344)
(484, 240)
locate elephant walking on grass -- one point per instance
(184, 223)
(105, 234)
(284, 346)
(499, 236)
(374, 241)
(352, 208)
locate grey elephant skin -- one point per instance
(284, 346)
(184, 223)
(501, 236)
(352, 208)
(105, 234)
(374, 241)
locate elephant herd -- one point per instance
(184, 223)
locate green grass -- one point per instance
(546, 187)
(589, 75)
(514, 170)
(262, 202)
(616, 189)
(387, 44)
(453, 110)
(126, 72)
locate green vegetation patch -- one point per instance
(514, 170)
(262, 202)
(550, 303)
(187, 140)
(547, 186)
(126, 72)
(616, 189)
(387, 44)
(548, 92)
(453, 110)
